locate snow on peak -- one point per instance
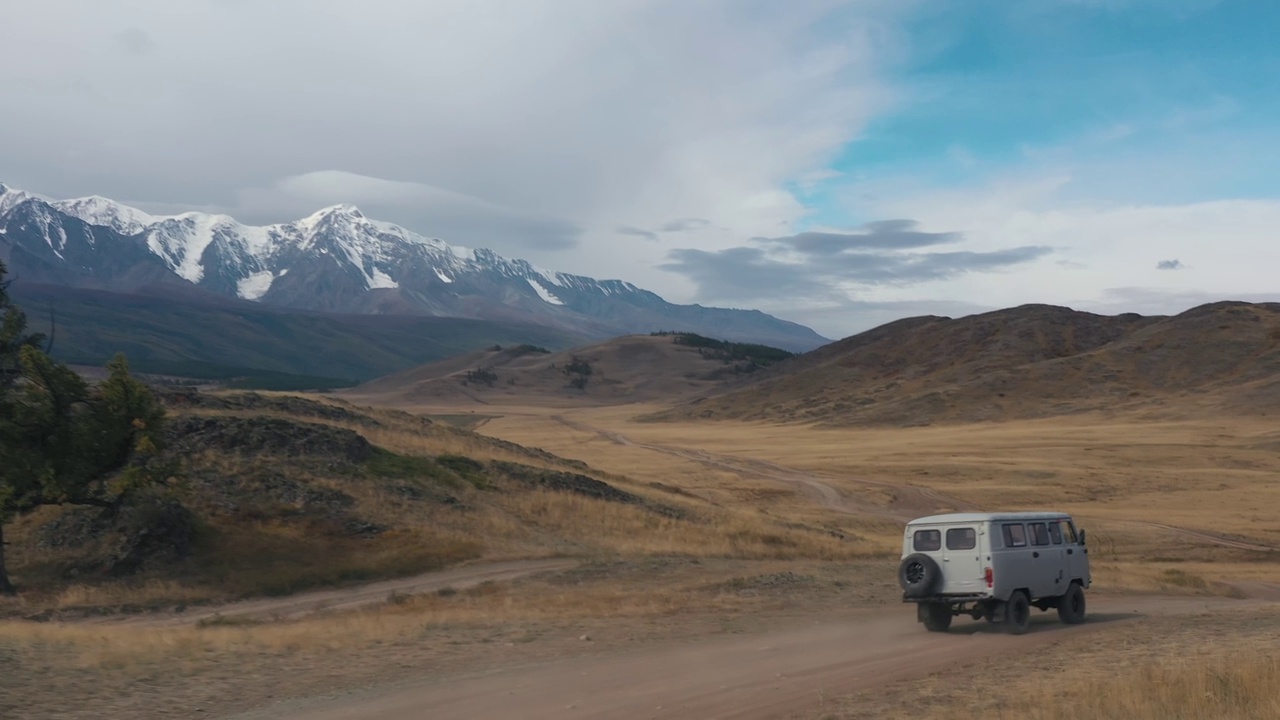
(344, 209)
(181, 241)
(380, 280)
(543, 292)
(10, 197)
(97, 210)
(255, 285)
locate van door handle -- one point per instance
(1070, 551)
(1035, 554)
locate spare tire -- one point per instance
(918, 575)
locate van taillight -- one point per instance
(990, 577)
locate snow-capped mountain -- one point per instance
(338, 260)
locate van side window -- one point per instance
(1069, 532)
(1055, 532)
(927, 540)
(961, 539)
(1039, 533)
(1014, 535)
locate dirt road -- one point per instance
(295, 606)
(767, 675)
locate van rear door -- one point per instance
(1048, 559)
(1077, 562)
(1013, 561)
(962, 568)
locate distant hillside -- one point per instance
(1024, 362)
(663, 366)
(261, 346)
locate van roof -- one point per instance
(985, 517)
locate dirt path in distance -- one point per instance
(910, 501)
(307, 603)
(1209, 537)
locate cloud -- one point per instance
(827, 266)
(135, 41)
(628, 230)
(1163, 301)
(848, 316)
(684, 225)
(1174, 264)
(534, 127)
(739, 274)
(460, 218)
(1101, 241)
(882, 235)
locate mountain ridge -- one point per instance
(339, 260)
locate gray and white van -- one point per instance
(995, 566)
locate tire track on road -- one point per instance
(1205, 536)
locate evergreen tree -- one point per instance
(63, 441)
(13, 336)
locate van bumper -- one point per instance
(949, 599)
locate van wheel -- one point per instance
(1071, 605)
(936, 616)
(1017, 615)
(918, 574)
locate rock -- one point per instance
(154, 530)
(266, 435)
(287, 404)
(363, 528)
(229, 493)
(75, 527)
(122, 540)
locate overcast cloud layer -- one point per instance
(836, 163)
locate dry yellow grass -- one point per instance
(1219, 666)
(1218, 475)
(1224, 688)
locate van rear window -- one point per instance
(961, 539)
(1014, 535)
(927, 540)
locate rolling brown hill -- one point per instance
(1024, 362)
(633, 368)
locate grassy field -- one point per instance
(743, 532)
(1217, 476)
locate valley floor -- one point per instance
(1180, 515)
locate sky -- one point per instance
(837, 163)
